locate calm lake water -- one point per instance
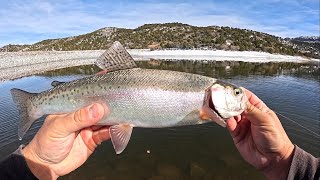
(190, 152)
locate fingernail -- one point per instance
(94, 111)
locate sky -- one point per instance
(30, 21)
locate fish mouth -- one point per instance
(210, 103)
(209, 111)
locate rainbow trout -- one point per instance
(135, 97)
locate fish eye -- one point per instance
(237, 91)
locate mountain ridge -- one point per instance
(179, 36)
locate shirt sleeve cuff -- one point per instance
(304, 165)
(15, 166)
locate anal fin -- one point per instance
(120, 135)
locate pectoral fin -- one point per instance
(120, 135)
(190, 119)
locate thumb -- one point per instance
(255, 115)
(83, 118)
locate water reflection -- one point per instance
(233, 68)
(83, 70)
(225, 69)
(191, 152)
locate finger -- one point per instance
(255, 115)
(97, 127)
(238, 130)
(254, 100)
(243, 129)
(237, 118)
(234, 129)
(231, 125)
(101, 135)
(80, 119)
(93, 138)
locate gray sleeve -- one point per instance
(304, 165)
(15, 167)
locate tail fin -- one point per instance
(23, 101)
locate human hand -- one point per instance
(261, 139)
(65, 141)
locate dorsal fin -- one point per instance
(115, 58)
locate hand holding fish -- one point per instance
(65, 142)
(261, 139)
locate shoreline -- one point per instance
(18, 64)
(216, 55)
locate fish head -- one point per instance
(228, 100)
(223, 101)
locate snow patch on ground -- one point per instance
(217, 55)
